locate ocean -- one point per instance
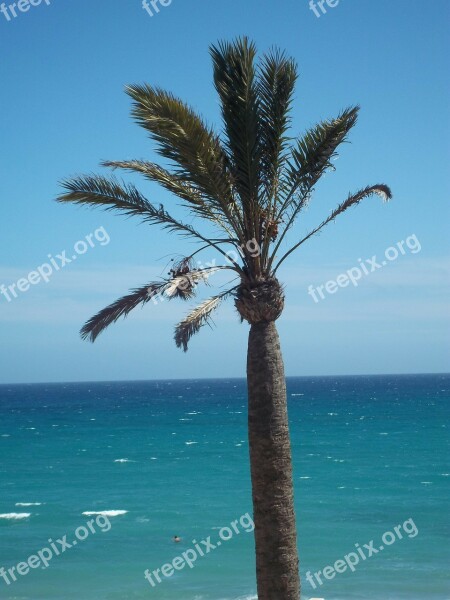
(152, 460)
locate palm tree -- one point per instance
(251, 183)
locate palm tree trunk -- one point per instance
(277, 569)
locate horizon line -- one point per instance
(242, 378)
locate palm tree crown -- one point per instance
(251, 182)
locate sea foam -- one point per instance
(105, 513)
(15, 516)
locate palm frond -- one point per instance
(277, 76)
(111, 194)
(176, 185)
(314, 151)
(120, 308)
(309, 161)
(153, 172)
(181, 285)
(236, 84)
(195, 320)
(183, 137)
(381, 190)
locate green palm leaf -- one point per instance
(314, 151)
(176, 185)
(183, 138)
(381, 190)
(153, 172)
(310, 159)
(277, 76)
(236, 84)
(113, 195)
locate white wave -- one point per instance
(105, 513)
(28, 503)
(190, 443)
(123, 460)
(5, 435)
(15, 516)
(305, 477)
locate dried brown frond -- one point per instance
(195, 320)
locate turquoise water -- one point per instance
(370, 453)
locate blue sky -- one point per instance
(62, 73)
